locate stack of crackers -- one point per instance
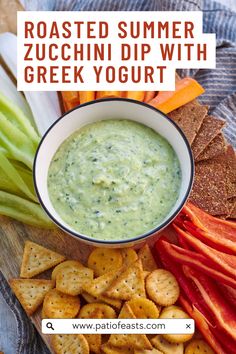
(115, 283)
(214, 188)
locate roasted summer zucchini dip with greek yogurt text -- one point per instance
(114, 179)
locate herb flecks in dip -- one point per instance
(114, 179)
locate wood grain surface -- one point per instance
(13, 235)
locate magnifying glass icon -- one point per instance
(49, 325)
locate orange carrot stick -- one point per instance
(135, 95)
(149, 95)
(70, 99)
(104, 94)
(71, 104)
(69, 95)
(86, 96)
(186, 90)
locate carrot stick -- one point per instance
(135, 95)
(70, 99)
(149, 95)
(186, 90)
(104, 94)
(69, 95)
(86, 96)
(71, 104)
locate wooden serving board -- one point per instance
(13, 235)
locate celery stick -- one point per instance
(25, 173)
(20, 166)
(8, 87)
(4, 151)
(23, 170)
(7, 186)
(23, 210)
(15, 115)
(15, 177)
(45, 106)
(16, 143)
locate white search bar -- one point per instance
(118, 326)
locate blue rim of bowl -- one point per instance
(136, 238)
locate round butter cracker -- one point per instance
(89, 309)
(198, 346)
(59, 305)
(104, 260)
(143, 308)
(71, 279)
(175, 312)
(162, 287)
(166, 347)
(63, 265)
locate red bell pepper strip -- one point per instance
(184, 244)
(225, 262)
(229, 294)
(186, 285)
(196, 261)
(219, 243)
(181, 240)
(220, 309)
(203, 326)
(225, 341)
(205, 321)
(218, 227)
(198, 311)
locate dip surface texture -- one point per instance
(114, 179)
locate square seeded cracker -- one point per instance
(231, 202)
(233, 211)
(231, 171)
(216, 147)
(209, 189)
(189, 118)
(210, 127)
(228, 160)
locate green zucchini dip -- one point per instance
(114, 179)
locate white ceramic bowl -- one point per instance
(111, 108)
